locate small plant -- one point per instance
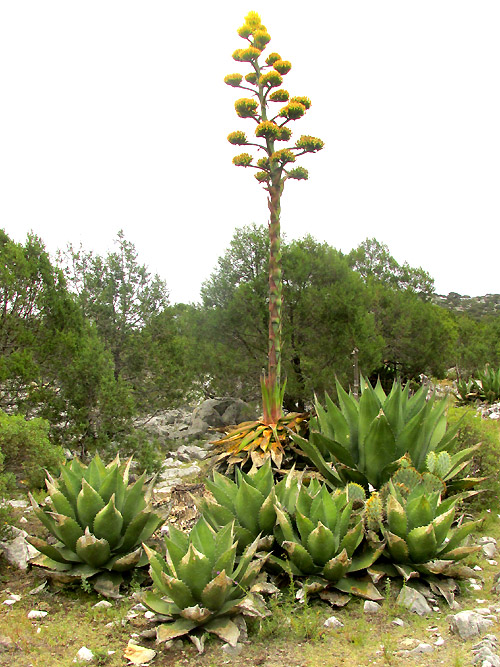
(99, 521)
(200, 586)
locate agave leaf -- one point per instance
(377, 449)
(88, 504)
(49, 550)
(109, 483)
(422, 544)
(350, 410)
(223, 490)
(93, 551)
(225, 629)
(461, 552)
(352, 539)
(108, 585)
(396, 517)
(178, 628)
(94, 473)
(362, 588)
(224, 539)
(447, 568)
(159, 606)
(442, 524)
(44, 561)
(197, 614)
(132, 535)
(366, 558)
(245, 559)
(419, 512)
(108, 523)
(322, 544)
(153, 522)
(72, 483)
(243, 536)
(202, 537)
(247, 503)
(334, 448)
(214, 594)
(178, 591)
(336, 567)
(444, 587)
(300, 557)
(60, 503)
(304, 525)
(157, 566)
(329, 473)
(127, 562)
(286, 525)
(458, 536)
(397, 548)
(267, 514)
(370, 409)
(334, 425)
(68, 530)
(195, 570)
(215, 514)
(133, 501)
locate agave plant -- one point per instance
(99, 521)
(321, 540)
(366, 440)
(200, 585)
(489, 382)
(250, 502)
(418, 530)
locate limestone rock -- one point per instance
(413, 601)
(469, 624)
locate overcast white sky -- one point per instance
(114, 114)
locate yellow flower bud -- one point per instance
(280, 95)
(233, 79)
(267, 129)
(282, 66)
(285, 134)
(237, 55)
(272, 58)
(263, 163)
(245, 107)
(242, 160)
(271, 79)
(249, 54)
(310, 144)
(302, 100)
(245, 31)
(283, 156)
(262, 176)
(252, 19)
(293, 110)
(261, 38)
(299, 173)
(251, 78)
(237, 138)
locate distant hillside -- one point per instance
(475, 306)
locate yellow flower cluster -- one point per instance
(242, 160)
(252, 19)
(281, 95)
(251, 78)
(237, 138)
(299, 173)
(233, 80)
(282, 66)
(271, 79)
(261, 38)
(293, 110)
(285, 134)
(284, 156)
(245, 107)
(263, 163)
(272, 58)
(267, 129)
(310, 144)
(247, 55)
(245, 31)
(305, 101)
(262, 176)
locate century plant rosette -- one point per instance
(322, 539)
(366, 440)
(99, 521)
(201, 584)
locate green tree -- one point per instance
(373, 261)
(264, 84)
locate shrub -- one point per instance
(7, 483)
(485, 462)
(27, 449)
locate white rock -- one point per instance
(333, 622)
(103, 604)
(84, 654)
(468, 624)
(399, 622)
(35, 614)
(490, 561)
(422, 648)
(489, 550)
(371, 607)
(477, 568)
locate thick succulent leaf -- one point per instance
(300, 557)
(370, 409)
(159, 606)
(133, 501)
(132, 534)
(95, 472)
(311, 452)
(178, 628)
(49, 522)
(153, 522)
(216, 515)
(68, 530)
(195, 570)
(304, 525)
(157, 566)
(202, 536)
(108, 523)
(406, 571)
(422, 544)
(224, 539)
(88, 504)
(336, 567)
(109, 483)
(72, 484)
(419, 512)
(352, 539)
(344, 519)
(322, 544)
(214, 594)
(333, 450)
(377, 450)
(223, 490)
(123, 563)
(334, 425)
(224, 628)
(267, 514)
(350, 409)
(263, 479)
(93, 551)
(458, 459)
(49, 550)
(366, 558)
(178, 537)
(396, 517)
(248, 578)
(458, 536)
(286, 525)
(461, 552)
(362, 588)
(44, 561)
(178, 591)
(245, 559)
(442, 525)
(196, 613)
(247, 503)
(397, 548)
(60, 503)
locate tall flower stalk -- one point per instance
(263, 84)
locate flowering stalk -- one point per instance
(264, 85)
